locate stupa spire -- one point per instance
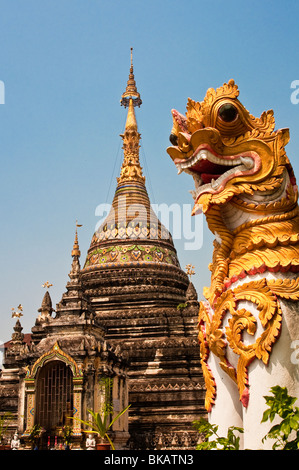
(75, 254)
(76, 250)
(46, 306)
(131, 235)
(131, 170)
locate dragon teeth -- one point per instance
(206, 155)
(247, 162)
(214, 184)
(193, 193)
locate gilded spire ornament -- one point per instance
(131, 89)
(17, 313)
(190, 270)
(131, 170)
(76, 250)
(47, 284)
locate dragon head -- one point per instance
(226, 149)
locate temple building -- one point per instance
(64, 368)
(129, 314)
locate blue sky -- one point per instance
(65, 64)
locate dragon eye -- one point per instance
(173, 139)
(228, 112)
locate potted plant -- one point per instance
(4, 422)
(67, 435)
(34, 435)
(100, 425)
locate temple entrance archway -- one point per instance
(54, 396)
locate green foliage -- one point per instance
(101, 423)
(182, 306)
(34, 433)
(67, 434)
(286, 433)
(4, 422)
(106, 384)
(230, 442)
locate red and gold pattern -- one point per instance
(239, 163)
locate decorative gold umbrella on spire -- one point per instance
(131, 89)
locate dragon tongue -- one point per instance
(207, 177)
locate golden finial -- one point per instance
(131, 169)
(47, 284)
(76, 251)
(131, 122)
(131, 92)
(17, 313)
(190, 270)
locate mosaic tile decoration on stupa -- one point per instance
(125, 251)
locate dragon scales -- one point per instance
(248, 324)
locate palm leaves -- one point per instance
(101, 424)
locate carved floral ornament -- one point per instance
(238, 162)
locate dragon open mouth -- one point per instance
(210, 171)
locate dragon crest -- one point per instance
(245, 186)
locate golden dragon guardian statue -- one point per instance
(245, 186)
